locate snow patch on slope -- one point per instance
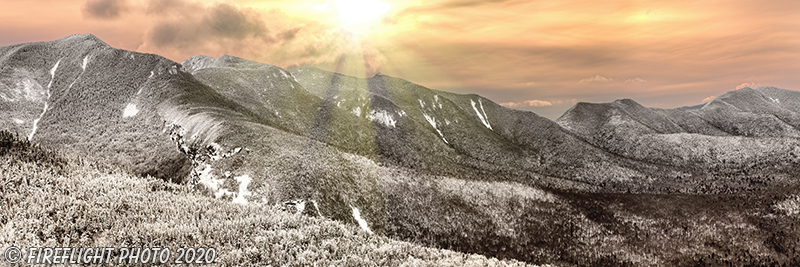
(130, 111)
(85, 62)
(357, 111)
(210, 182)
(53, 74)
(18, 121)
(46, 104)
(361, 222)
(483, 117)
(382, 117)
(432, 121)
(244, 181)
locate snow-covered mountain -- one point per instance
(381, 151)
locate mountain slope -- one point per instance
(744, 136)
(393, 157)
(84, 204)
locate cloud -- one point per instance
(527, 103)
(104, 9)
(183, 28)
(596, 78)
(636, 80)
(747, 84)
(709, 98)
(227, 21)
(221, 21)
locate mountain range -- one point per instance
(402, 160)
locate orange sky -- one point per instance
(541, 56)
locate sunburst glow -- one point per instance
(358, 11)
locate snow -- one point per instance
(53, 74)
(46, 104)
(209, 181)
(18, 121)
(86, 61)
(73, 82)
(483, 117)
(284, 74)
(130, 111)
(775, 100)
(436, 101)
(383, 117)
(361, 222)
(316, 207)
(151, 74)
(401, 113)
(432, 121)
(421, 103)
(244, 181)
(214, 185)
(357, 111)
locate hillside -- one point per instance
(50, 200)
(93, 204)
(740, 138)
(432, 167)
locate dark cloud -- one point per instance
(204, 25)
(180, 29)
(227, 21)
(165, 34)
(104, 9)
(289, 34)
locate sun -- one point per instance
(359, 11)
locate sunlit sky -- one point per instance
(541, 56)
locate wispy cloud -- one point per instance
(747, 84)
(709, 98)
(527, 103)
(596, 79)
(636, 80)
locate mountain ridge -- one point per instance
(380, 151)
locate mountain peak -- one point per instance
(84, 38)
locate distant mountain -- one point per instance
(740, 137)
(392, 156)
